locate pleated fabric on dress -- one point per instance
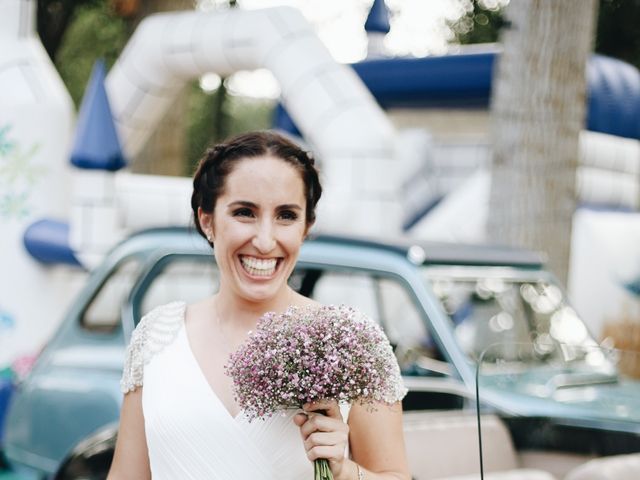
(192, 436)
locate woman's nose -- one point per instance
(264, 240)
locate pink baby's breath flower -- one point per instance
(310, 354)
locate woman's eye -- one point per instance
(288, 215)
(243, 212)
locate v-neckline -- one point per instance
(191, 354)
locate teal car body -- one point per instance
(63, 417)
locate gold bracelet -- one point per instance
(360, 472)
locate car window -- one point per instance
(401, 319)
(103, 312)
(179, 277)
(349, 288)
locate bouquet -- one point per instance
(310, 354)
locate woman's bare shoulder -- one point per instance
(199, 310)
(305, 302)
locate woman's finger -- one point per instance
(322, 451)
(330, 408)
(321, 423)
(299, 419)
(329, 439)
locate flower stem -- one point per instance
(321, 470)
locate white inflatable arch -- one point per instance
(337, 115)
(335, 112)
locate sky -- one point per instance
(418, 28)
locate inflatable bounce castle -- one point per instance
(66, 196)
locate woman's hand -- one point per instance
(325, 434)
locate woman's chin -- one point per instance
(259, 289)
(260, 295)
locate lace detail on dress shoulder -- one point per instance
(385, 351)
(156, 330)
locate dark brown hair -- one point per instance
(218, 162)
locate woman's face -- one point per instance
(258, 226)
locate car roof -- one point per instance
(446, 253)
(418, 251)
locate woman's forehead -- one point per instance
(266, 179)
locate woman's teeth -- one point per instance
(259, 266)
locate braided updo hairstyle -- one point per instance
(218, 162)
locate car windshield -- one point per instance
(491, 306)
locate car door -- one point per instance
(384, 296)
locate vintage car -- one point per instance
(452, 313)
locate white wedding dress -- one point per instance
(190, 434)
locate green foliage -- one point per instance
(249, 114)
(212, 117)
(618, 33)
(480, 23)
(52, 20)
(94, 32)
(200, 123)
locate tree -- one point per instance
(480, 23)
(538, 110)
(212, 119)
(53, 17)
(93, 32)
(618, 34)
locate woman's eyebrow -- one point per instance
(289, 206)
(241, 203)
(248, 204)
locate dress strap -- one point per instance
(156, 330)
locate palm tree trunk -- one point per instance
(538, 110)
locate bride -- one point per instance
(254, 198)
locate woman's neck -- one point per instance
(244, 314)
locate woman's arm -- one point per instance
(374, 435)
(131, 458)
(376, 441)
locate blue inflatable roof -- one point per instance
(464, 81)
(613, 97)
(378, 18)
(48, 242)
(96, 143)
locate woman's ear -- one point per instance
(206, 223)
(308, 227)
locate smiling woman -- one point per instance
(254, 198)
